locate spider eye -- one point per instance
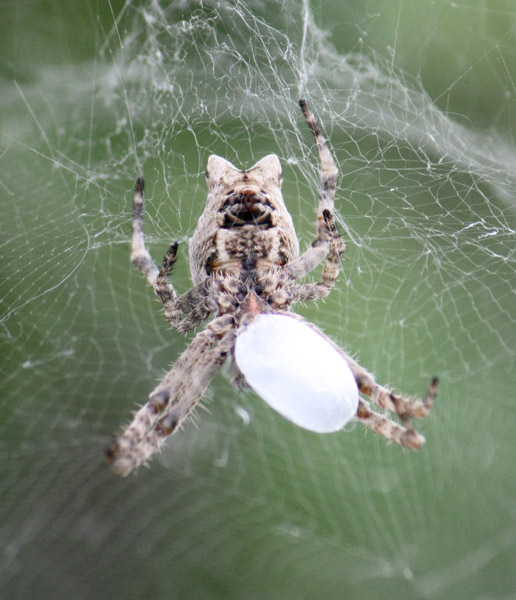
(246, 208)
(297, 372)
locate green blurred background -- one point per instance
(417, 99)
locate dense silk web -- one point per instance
(426, 203)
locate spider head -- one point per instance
(249, 197)
(221, 172)
(242, 205)
(246, 207)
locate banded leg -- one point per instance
(314, 291)
(405, 408)
(328, 243)
(329, 171)
(175, 307)
(182, 404)
(174, 397)
(186, 311)
(197, 308)
(407, 437)
(140, 256)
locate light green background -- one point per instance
(91, 95)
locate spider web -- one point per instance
(417, 100)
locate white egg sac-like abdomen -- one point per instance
(297, 372)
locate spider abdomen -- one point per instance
(297, 372)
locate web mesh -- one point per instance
(242, 504)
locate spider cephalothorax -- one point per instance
(245, 234)
(245, 263)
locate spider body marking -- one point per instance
(245, 261)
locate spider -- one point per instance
(245, 263)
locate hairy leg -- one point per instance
(405, 408)
(314, 291)
(140, 256)
(329, 171)
(404, 436)
(174, 397)
(175, 307)
(328, 243)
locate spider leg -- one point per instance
(174, 397)
(175, 307)
(186, 311)
(405, 408)
(329, 171)
(314, 291)
(140, 256)
(404, 436)
(197, 314)
(328, 244)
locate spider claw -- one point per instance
(310, 117)
(432, 393)
(111, 450)
(412, 439)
